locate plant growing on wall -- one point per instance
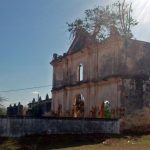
(107, 112)
(99, 21)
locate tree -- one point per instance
(75, 27)
(98, 21)
(47, 97)
(2, 109)
(2, 99)
(124, 18)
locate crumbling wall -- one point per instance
(132, 94)
(17, 127)
(120, 56)
(135, 94)
(94, 95)
(58, 75)
(137, 122)
(115, 57)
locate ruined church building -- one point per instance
(115, 70)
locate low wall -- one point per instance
(17, 127)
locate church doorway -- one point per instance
(105, 110)
(78, 106)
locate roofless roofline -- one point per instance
(88, 41)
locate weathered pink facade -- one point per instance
(108, 69)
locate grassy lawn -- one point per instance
(70, 142)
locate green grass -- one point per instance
(76, 142)
(10, 144)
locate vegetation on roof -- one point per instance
(100, 21)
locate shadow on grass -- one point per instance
(47, 142)
(59, 141)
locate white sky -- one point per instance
(141, 12)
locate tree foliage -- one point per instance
(75, 27)
(124, 18)
(98, 21)
(2, 109)
(2, 99)
(107, 111)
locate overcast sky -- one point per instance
(32, 30)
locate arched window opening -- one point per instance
(80, 73)
(78, 106)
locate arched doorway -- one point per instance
(78, 106)
(105, 110)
